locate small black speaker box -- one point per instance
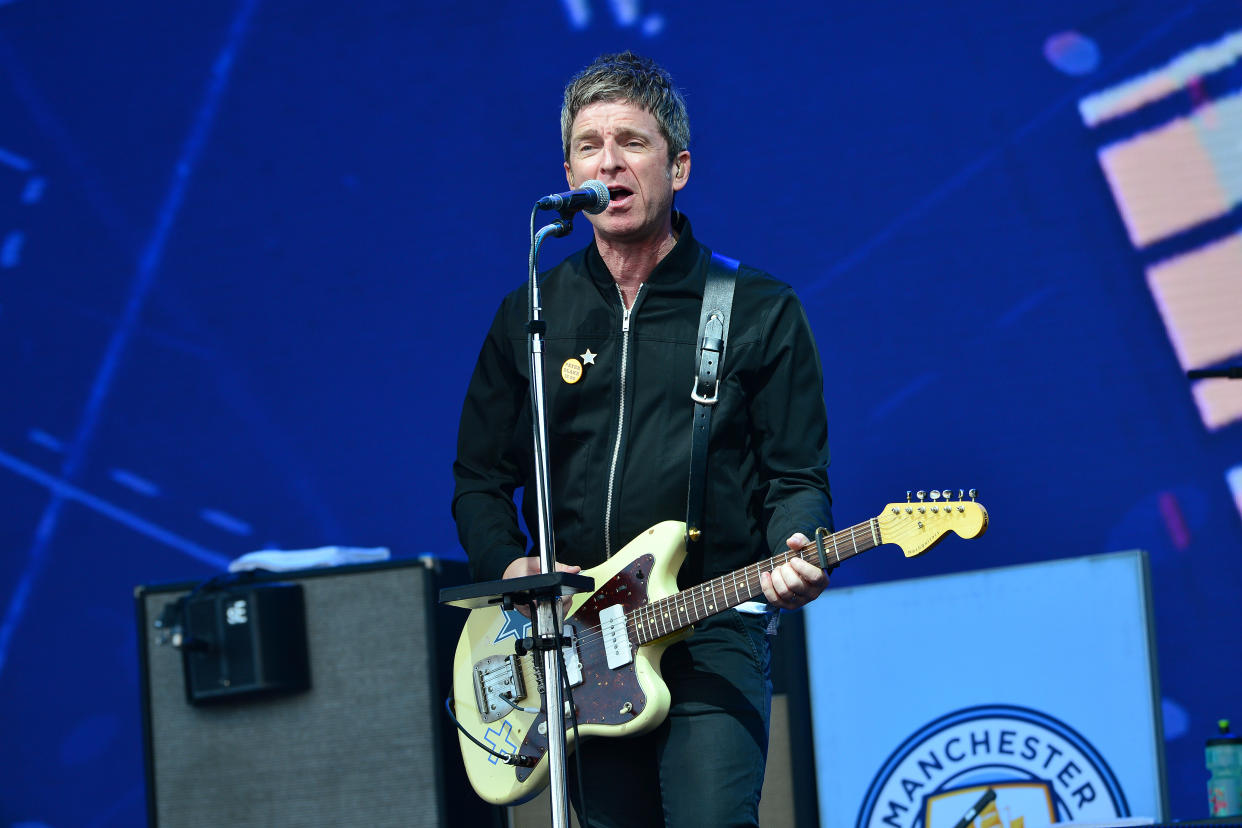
(243, 640)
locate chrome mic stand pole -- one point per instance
(547, 611)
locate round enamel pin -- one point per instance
(571, 370)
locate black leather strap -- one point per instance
(713, 336)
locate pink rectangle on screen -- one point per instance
(1199, 294)
(1219, 401)
(1163, 181)
(1174, 76)
(1234, 478)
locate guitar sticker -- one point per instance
(494, 736)
(516, 626)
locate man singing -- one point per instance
(623, 319)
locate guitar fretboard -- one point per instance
(668, 615)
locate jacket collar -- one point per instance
(678, 271)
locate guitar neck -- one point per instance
(668, 615)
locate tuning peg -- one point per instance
(961, 494)
(920, 494)
(935, 494)
(974, 493)
(908, 493)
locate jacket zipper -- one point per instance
(616, 448)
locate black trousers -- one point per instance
(703, 767)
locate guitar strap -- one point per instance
(713, 335)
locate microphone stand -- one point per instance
(547, 617)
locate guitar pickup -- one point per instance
(494, 677)
(617, 647)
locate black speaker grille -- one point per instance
(360, 748)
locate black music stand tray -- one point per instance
(509, 591)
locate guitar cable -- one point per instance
(509, 702)
(527, 761)
(507, 758)
(573, 715)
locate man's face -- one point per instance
(621, 145)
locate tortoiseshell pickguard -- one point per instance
(602, 696)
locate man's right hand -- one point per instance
(529, 565)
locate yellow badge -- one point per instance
(571, 370)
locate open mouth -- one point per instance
(618, 195)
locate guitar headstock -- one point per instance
(918, 525)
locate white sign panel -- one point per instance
(1036, 683)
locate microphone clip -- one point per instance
(564, 225)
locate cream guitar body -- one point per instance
(625, 701)
(616, 635)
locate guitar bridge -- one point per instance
(494, 677)
(569, 655)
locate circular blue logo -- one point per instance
(1040, 769)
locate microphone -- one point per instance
(592, 198)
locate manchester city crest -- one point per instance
(1041, 770)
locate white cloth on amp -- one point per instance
(279, 560)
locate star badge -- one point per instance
(588, 358)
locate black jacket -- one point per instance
(619, 438)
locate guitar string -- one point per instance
(590, 644)
(649, 615)
(645, 624)
(651, 611)
(752, 582)
(869, 530)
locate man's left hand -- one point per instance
(796, 583)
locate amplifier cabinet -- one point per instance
(362, 746)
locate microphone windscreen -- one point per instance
(601, 196)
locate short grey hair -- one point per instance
(638, 80)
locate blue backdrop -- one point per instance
(249, 249)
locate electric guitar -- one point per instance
(617, 634)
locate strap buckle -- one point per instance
(702, 400)
(709, 360)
